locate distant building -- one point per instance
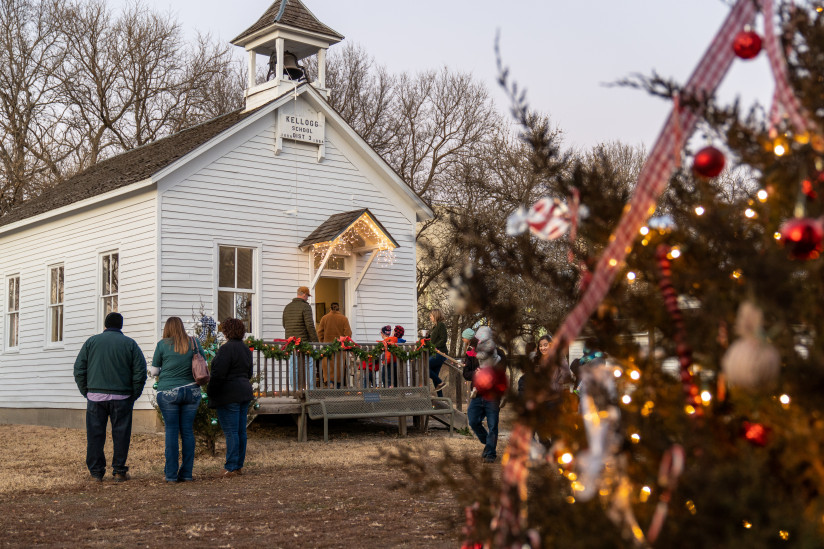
(233, 215)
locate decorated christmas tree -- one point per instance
(697, 417)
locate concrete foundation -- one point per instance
(143, 421)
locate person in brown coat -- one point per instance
(333, 325)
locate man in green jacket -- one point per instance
(110, 372)
(298, 322)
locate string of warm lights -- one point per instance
(362, 233)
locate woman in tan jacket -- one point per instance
(332, 326)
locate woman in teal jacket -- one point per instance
(178, 396)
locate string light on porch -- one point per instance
(362, 233)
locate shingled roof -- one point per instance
(295, 15)
(337, 224)
(124, 169)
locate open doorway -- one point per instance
(328, 291)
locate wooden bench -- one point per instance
(399, 402)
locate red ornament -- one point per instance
(809, 191)
(756, 433)
(709, 162)
(747, 44)
(490, 382)
(803, 237)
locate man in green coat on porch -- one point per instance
(298, 322)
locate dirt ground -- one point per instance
(314, 494)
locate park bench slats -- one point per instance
(400, 402)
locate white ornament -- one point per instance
(751, 362)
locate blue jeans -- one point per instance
(179, 408)
(435, 363)
(368, 379)
(97, 417)
(480, 408)
(389, 373)
(232, 419)
(310, 372)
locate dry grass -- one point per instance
(44, 458)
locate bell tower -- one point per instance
(286, 33)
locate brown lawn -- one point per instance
(314, 494)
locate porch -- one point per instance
(283, 382)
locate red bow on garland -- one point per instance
(421, 343)
(347, 343)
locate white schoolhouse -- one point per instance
(230, 216)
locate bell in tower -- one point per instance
(291, 68)
(286, 33)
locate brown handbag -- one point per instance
(200, 370)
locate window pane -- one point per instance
(243, 309)
(336, 263)
(105, 282)
(60, 285)
(56, 323)
(115, 283)
(227, 268)
(13, 330)
(60, 330)
(109, 305)
(244, 268)
(53, 287)
(225, 306)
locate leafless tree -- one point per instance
(132, 79)
(31, 150)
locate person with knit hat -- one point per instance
(485, 353)
(110, 372)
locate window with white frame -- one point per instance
(13, 312)
(55, 312)
(109, 282)
(236, 287)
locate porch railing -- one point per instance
(342, 370)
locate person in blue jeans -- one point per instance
(480, 407)
(178, 396)
(438, 338)
(230, 392)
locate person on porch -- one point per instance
(334, 325)
(298, 323)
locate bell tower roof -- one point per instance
(287, 15)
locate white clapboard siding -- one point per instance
(243, 198)
(38, 376)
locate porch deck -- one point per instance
(282, 383)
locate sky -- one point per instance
(562, 52)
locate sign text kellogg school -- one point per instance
(303, 126)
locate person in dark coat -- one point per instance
(438, 338)
(110, 372)
(298, 323)
(230, 392)
(297, 317)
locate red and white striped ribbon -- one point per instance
(657, 169)
(784, 96)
